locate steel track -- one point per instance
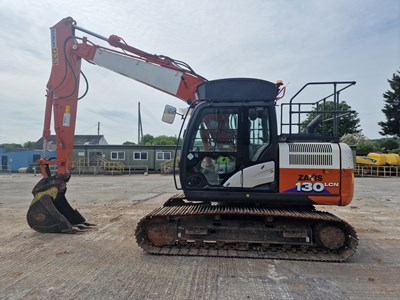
(219, 249)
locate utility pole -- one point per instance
(140, 128)
(98, 128)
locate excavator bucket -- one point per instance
(50, 211)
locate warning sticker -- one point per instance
(67, 116)
(66, 119)
(54, 56)
(54, 49)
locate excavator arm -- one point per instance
(50, 211)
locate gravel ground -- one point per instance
(106, 263)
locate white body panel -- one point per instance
(295, 156)
(347, 156)
(161, 78)
(253, 176)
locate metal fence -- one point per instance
(376, 171)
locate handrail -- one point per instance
(335, 111)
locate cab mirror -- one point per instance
(169, 114)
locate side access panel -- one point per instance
(321, 171)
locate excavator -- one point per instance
(247, 191)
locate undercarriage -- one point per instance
(182, 227)
(198, 229)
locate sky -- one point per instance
(293, 41)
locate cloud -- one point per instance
(296, 41)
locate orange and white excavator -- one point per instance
(246, 191)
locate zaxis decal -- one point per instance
(312, 177)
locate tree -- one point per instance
(390, 144)
(29, 144)
(147, 139)
(392, 108)
(164, 140)
(11, 146)
(347, 123)
(362, 143)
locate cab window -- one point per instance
(259, 135)
(217, 131)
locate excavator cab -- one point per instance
(231, 142)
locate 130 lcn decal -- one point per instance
(312, 184)
(309, 183)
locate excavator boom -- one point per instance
(50, 211)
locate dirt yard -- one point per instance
(106, 262)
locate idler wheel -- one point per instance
(161, 233)
(329, 236)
